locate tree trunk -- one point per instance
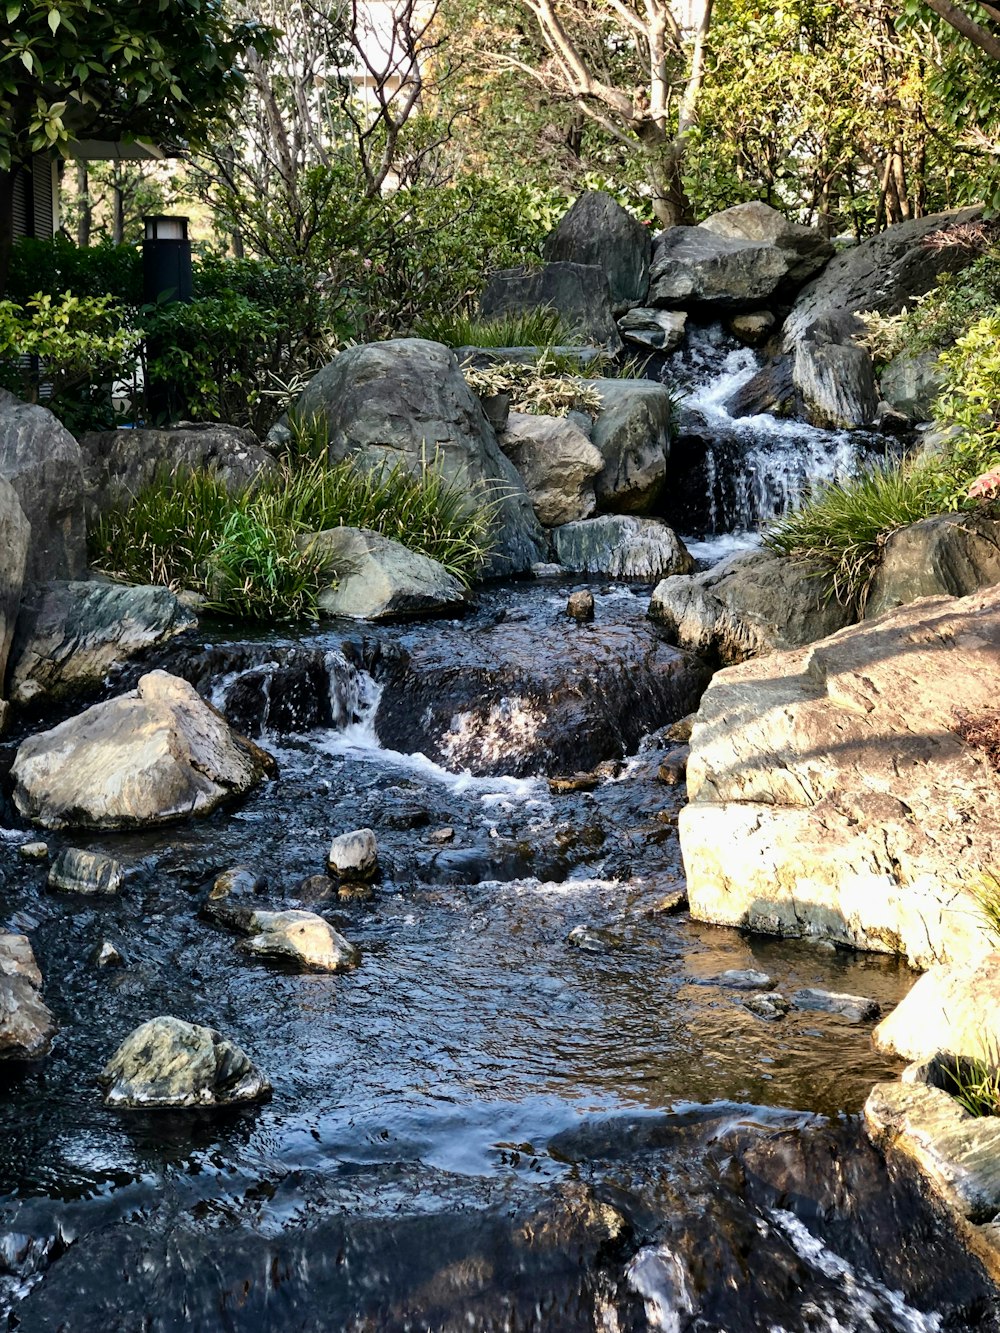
(664, 164)
(6, 226)
(118, 222)
(86, 217)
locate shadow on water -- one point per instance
(482, 1127)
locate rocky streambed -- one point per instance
(544, 1098)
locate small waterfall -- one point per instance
(733, 474)
(296, 691)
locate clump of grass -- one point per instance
(541, 327)
(986, 888)
(243, 550)
(974, 1082)
(537, 388)
(844, 526)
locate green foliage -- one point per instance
(986, 891)
(974, 1082)
(56, 266)
(248, 552)
(543, 327)
(70, 346)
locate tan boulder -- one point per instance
(831, 795)
(557, 464)
(950, 1010)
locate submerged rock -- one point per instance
(354, 855)
(26, 1025)
(593, 939)
(738, 979)
(70, 635)
(302, 939)
(168, 1062)
(621, 547)
(832, 796)
(155, 755)
(379, 579)
(855, 1008)
(76, 871)
(746, 606)
(233, 898)
(767, 1005)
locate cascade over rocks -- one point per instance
(70, 635)
(521, 699)
(168, 1062)
(621, 547)
(632, 432)
(155, 755)
(15, 537)
(578, 292)
(746, 606)
(831, 796)
(598, 231)
(26, 1025)
(557, 464)
(119, 463)
(42, 462)
(956, 554)
(406, 401)
(379, 579)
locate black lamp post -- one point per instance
(166, 276)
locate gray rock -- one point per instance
(910, 383)
(830, 795)
(154, 755)
(15, 538)
(70, 635)
(855, 1008)
(26, 1025)
(354, 855)
(77, 871)
(580, 605)
(597, 230)
(234, 897)
(752, 329)
(771, 390)
(301, 939)
(557, 463)
(579, 292)
(767, 1005)
(42, 463)
(955, 554)
(806, 249)
(119, 463)
(106, 955)
(738, 979)
(660, 330)
(170, 1063)
(672, 769)
(835, 383)
(406, 401)
(884, 273)
(694, 267)
(632, 431)
(746, 606)
(621, 547)
(379, 579)
(34, 851)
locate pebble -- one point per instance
(354, 856)
(106, 955)
(34, 851)
(673, 766)
(591, 939)
(441, 835)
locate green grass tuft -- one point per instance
(973, 1082)
(542, 327)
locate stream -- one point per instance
(484, 1126)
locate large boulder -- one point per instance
(557, 463)
(379, 579)
(632, 431)
(694, 267)
(42, 462)
(955, 554)
(156, 754)
(832, 795)
(621, 547)
(70, 635)
(119, 463)
(15, 538)
(598, 231)
(748, 605)
(884, 273)
(578, 292)
(950, 1010)
(405, 401)
(168, 1062)
(806, 249)
(530, 698)
(26, 1025)
(835, 383)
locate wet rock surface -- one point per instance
(15, 536)
(621, 547)
(26, 1025)
(301, 939)
(168, 1062)
(76, 871)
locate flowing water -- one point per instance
(483, 1126)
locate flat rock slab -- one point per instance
(170, 1063)
(302, 939)
(70, 635)
(950, 1009)
(26, 1025)
(155, 755)
(831, 796)
(855, 1008)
